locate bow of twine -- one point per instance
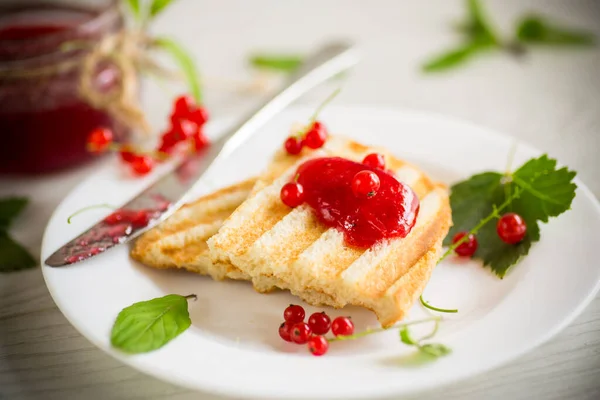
(123, 50)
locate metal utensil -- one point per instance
(172, 190)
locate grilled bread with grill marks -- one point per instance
(277, 246)
(180, 240)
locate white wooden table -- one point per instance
(550, 99)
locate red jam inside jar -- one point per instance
(44, 122)
(391, 213)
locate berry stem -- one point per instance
(378, 330)
(429, 306)
(84, 209)
(494, 214)
(320, 108)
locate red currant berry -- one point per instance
(126, 154)
(374, 160)
(511, 228)
(301, 333)
(198, 115)
(319, 323)
(342, 326)
(293, 145)
(292, 194)
(141, 165)
(365, 184)
(466, 248)
(316, 136)
(183, 129)
(199, 141)
(285, 331)
(293, 314)
(182, 105)
(318, 345)
(99, 140)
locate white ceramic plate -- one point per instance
(233, 347)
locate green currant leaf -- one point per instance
(186, 63)
(149, 325)
(13, 256)
(277, 62)
(406, 338)
(158, 6)
(10, 207)
(535, 30)
(479, 27)
(453, 58)
(543, 192)
(435, 349)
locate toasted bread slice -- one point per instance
(180, 240)
(289, 248)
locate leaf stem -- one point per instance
(429, 306)
(495, 213)
(379, 330)
(191, 296)
(84, 209)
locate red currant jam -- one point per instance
(327, 184)
(44, 122)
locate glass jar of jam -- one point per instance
(44, 121)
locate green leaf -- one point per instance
(406, 338)
(277, 62)
(13, 256)
(186, 63)
(479, 28)
(535, 30)
(134, 5)
(10, 207)
(452, 58)
(149, 325)
(544, 192)
(435, 349)
(158, 6)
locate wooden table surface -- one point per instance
(550, 98)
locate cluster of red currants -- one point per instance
(187, 120)
(295, 330)
(313, 138)
(365, 184)
(511, 229)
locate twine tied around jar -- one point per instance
(120, 101)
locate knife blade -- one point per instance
(162, 198)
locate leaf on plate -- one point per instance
(13, 256)
(10, 207)
(406, 338)
(158, 6)
(186, 63)
(435, 349)
(536, 30)
(149, 325)
(544, 192)
(277, 62)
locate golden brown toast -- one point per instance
(290, 249)
(180, 240)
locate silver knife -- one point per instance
(172, 190)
